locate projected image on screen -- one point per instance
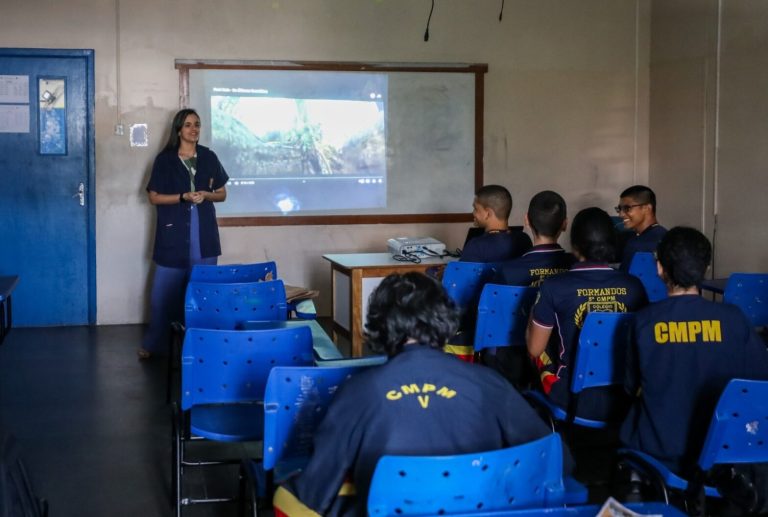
(290, 154)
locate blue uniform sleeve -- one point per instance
(157, 182)
(543, 312)
(336, 444)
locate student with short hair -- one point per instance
(421, 402)
(563, 304)
(490, 210)
(547, 219)
(637, 208)
(684, 351)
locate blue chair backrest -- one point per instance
(463, 282)
(643, 266)
(749, 291)
(502, 315)
(295, 402)
(524, 476)
(224, 366)
(738, 432)
(234, 273)
(225, 306)
(602, 352)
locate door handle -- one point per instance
(80, 194)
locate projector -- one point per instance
(419, 246)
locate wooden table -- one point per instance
(354, 276)
(7, 285)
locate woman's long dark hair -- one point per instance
(178, 122)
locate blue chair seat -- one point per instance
(561, 415)
(228, 422)
(734, 437)
(671, 480)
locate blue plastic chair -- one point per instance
(463, 282)
(749, 291)
(234, 273)
(736, 434)
(525, 476)
(295, 402)
(643, 266)
(600, 361)
(502, 315)
(223, 378)
(226, 306)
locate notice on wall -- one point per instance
(14, 89)
(14, 118)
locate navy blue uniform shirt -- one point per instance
(646, 241)
(421, 402)
(534, 266)
(496, 246)
(563, 303)
(685, 349)
(170, 176)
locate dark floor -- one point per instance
(92, 422)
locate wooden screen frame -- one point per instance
(478, 69)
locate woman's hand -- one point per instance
(195, 197)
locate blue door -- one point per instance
(47, 177)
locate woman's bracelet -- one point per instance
(181, 197)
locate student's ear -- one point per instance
(526, 221)
(660, 271)
(564, 226)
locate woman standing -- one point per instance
(186, 180)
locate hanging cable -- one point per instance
(502, 10)
(426, 32)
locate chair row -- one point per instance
(224, 377)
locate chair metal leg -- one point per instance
(174, 358)
(176, 459)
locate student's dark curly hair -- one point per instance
(685, 254)
(593, 236)
(409, 306)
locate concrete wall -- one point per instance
(709, 124)
(566, 104)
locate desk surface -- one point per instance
(7, 285)
(324, 348)
(377, 260)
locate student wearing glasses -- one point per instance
(637, 208)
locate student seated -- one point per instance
(563, 304)
(547, 219)
(421, 402)
(491, 209)
(637, 208)
(685, 349)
